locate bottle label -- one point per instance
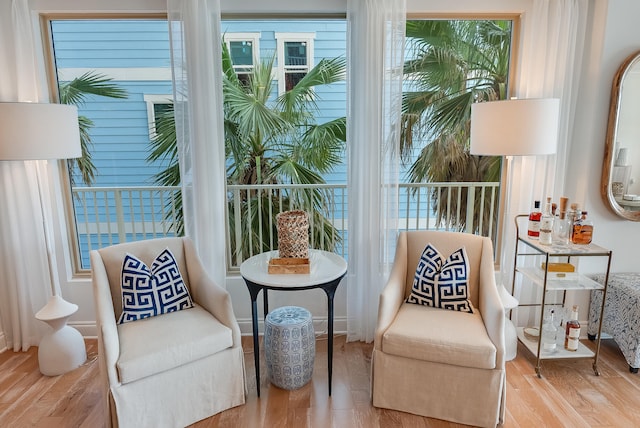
(534, 228)
(574, 339)
(545, 238)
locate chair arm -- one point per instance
(212, 297)
(105, 318)
(490, 304)
(392, 295)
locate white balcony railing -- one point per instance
(110, 215)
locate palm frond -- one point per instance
(90, 83)
(302, 96)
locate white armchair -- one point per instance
(169, 370)
(441, 363)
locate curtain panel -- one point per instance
(376, 47)
(196, 56)
(25, 282)
(552, 52)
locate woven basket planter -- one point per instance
(293, 234)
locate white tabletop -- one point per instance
(325, 266)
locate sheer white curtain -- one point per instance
(552, 51)
(196, 53)
(25, 284)
(376, 43)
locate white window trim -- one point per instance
(254, 38)
(151, 100)
(281, 38)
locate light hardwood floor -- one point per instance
(568, 394)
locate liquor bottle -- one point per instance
(533, 229)
(582, 230)
(546, 225)
(549, 334)
(574, 215)
(572, 331)
(562, 224)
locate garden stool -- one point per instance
(289, 346)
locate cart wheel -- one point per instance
(595, 369)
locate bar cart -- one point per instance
(540, 276)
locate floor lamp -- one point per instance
(517, 127)
(33, 131)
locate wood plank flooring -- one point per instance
(568, 394)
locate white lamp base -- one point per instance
(63, 349)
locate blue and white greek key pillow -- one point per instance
(150, 292)
(441, 283)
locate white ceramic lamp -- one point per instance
(33, 131)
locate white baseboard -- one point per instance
(89, 331)
(86, 328)
(3, 343)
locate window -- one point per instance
(244, 49)
(295, 58)
(450, 64)
(127, 61)
(156, 104)
(123, 202)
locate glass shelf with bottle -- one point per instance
(531, 339)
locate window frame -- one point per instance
(515, 17)
(151, 100)
(286, 37)
(254, 38)
(72, 243)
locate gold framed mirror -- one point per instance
(620, 187)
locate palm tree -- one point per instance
(270, 142)
(455, 64)
(75, 92)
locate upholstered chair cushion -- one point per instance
(164, 342)
(448, 337)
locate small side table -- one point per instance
(327, 270)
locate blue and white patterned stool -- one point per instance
(289, 346)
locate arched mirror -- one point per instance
(621, 169)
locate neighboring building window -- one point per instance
(156, 104)
(244, 49)
(295, 58)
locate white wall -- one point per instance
(613, 34)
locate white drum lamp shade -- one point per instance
(518, 127)
(34, 131)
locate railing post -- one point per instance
(122, 234)
(471, 202)
(237, 218)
